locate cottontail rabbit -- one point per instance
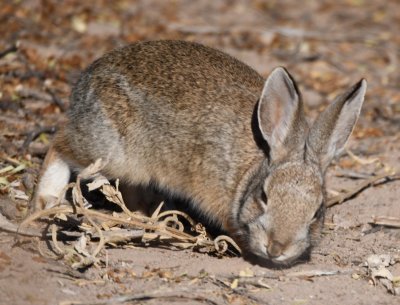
(200, 124)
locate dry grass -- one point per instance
(94, 230)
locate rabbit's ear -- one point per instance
(333, 127)
(280, 114)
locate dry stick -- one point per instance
(7, 226)
(362, 161)
(12, 49)
(183, 294)
(317, 273)
(352, 174)
(370, 182)
(93, 213)
(54, 239)
(78, 199)
(297, 274)
(8, 159)
(31, 136)
(121, 235)
(387, 221)
(41, 213)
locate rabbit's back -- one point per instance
(173, 75)
(172, 112)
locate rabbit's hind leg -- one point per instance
(55, 175)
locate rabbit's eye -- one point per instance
(264, 198)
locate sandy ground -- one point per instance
(326, 46)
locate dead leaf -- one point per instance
(97, 183)
(377, 269)
(234, 284)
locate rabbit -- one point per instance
(202, 125)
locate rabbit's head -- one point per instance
(281, 203)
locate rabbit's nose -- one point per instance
(274, 249)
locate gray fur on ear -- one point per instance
(334, 126)
(280, 114)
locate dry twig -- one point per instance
(31, 136)
(185, 293)
(376, 180)
(387, 221)
(7, 226)
(362, 161)
(12, 49)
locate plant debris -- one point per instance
(387, 221)
(378, 272)
(94, 229)
(373, 181)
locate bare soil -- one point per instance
(326, 45)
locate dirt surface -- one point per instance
(326, 45)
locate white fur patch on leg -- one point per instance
(54, 179)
